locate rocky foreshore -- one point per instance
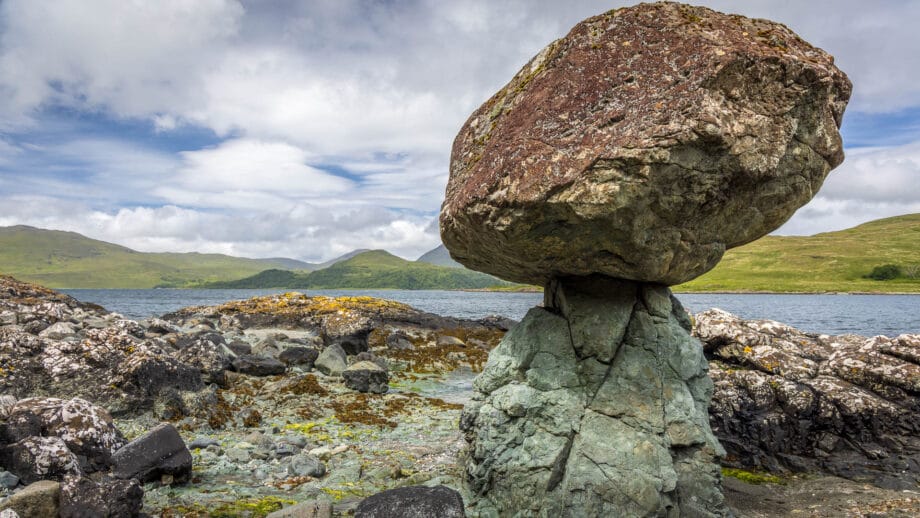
(293, 404)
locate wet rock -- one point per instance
(8, 480)
(84, 498)
(331, 361)
(368, 356)
(605, 359)
(365, 376)
(302, 357)
(39, 499)
(37, 458)
(625, 147)
(86, 429)
(399, 341)
(157, 453)
(202, 442)
(306, 465)
(318, 509)
(239, 347)
(258, 365)
(787, 400)
(413, 502)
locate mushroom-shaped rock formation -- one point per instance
(643, 145)
(625, 157)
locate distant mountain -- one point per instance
(70, 260)
(374, 269)
(290, 264)
(440, 257)
(840, 261)
(339, 259)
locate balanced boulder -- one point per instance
(642, 145)
(624, 158)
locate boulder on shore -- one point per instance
(642, 145)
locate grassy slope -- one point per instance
(369, 270)
(832, 261)
(70, 260)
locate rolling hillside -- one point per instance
(369, 270)
(439, 256)
(827, 262)
(69, 260)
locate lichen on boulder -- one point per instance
(624, 158)
(642, 145)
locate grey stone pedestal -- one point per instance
(595, 405)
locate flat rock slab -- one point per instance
(642, 145)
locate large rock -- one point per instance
(37, 458)
(595, 406)
(39, 499)
(786, 400)
(86, 429)
(158, 452)
(413, 502)
(332, 361)
(642, 145)
(84, 498)
(366, 376)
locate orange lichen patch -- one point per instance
(298, 304)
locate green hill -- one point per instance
(440, 257)
(827, 262)
(375, 269)
(69, 260)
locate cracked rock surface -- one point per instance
(791, 401)
(595, 406)
(642, 145)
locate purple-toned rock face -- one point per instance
(643, 145)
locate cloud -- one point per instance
(333, 120)
(246, 173)
(305, 232)
(871, 183)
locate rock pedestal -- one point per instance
(595, 405)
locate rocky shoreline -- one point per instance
(312, 405)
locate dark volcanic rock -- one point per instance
(366, 376)
(86, 429)
(303, 357)
(786, 400)
(642, 145)
(84, 498)
(37, 458)
(156, 453)
(413, 502)
(258, 365)
(107, 361)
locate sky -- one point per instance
(307, 129)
